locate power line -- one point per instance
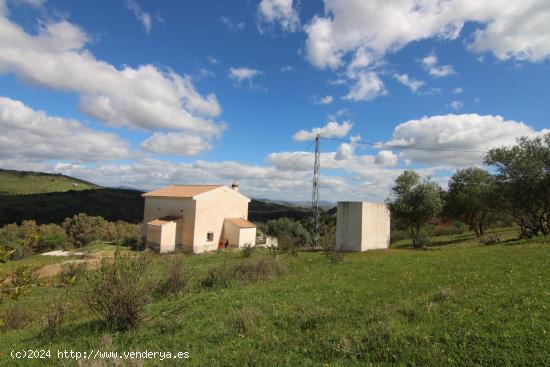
(402, 146)
(300, 156)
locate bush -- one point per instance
(52, 236)
(217, 277)
(83, 229)
(287, 243)
(247, 250)
(14, 317)
(55, 316)
(489, 239)
(71, 272)
(222, 277)
(23, 276)
(288, 227)
(175, 280)
(5, 254)
(118, 291)
(258, 270)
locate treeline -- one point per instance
(519, 189)
(28, 238)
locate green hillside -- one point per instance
(27, 183)
(457, 305)
(49, 198)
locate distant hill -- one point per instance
(302, 204)
(33, 195)
(26, 183)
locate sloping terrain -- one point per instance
(26, 183)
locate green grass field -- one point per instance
(27, 183)
(458, 304)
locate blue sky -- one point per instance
(146, 93)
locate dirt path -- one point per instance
(91, 260)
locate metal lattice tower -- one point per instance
(315, 194)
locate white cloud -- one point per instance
(472, 134)
(244, 75)
(205, 73)
(345, 151)
(325, 100)
(367, 87)
(212, 60)
(457, 90)
(142, 97)
(231, 25)
(507, 28)
(386, 158)
(287, 68)
(411, 83)
(282, 12)
(430, 64)
(456, 105)
(143, 17)
(331, 130)
(27, 134)
(176, 143)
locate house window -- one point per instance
(210, 236)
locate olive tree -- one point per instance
(414, 202)
(472, 198)
(524, 180)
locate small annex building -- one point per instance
(362, 226)
(196, 218)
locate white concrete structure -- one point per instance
(196, 218)
(362, 226)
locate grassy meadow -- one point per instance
(28, 183)
(457, 304)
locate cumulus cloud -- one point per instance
(28, 134)
(367, 87)
(507, 28)
(282, 12)
(331, 130)
(456, 105)
(411, 83)
(360, 33)
(457, 90)
(325, 100)
(467, 135)
(386, 158)
(141, 97)
(176, 143)
(143, 17)
(231, 25)
(430, 64)
(244, 74)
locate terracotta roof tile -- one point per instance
(181, 191)
(242, 223)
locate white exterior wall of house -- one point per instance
(211, 210)
(158, 207)
(362, 226)
(238, 236)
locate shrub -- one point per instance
(247, 271)
(289, 227)
(287, 243)
(247, 250)
(257, 270)
(489, 239)
(83, 229)
(217, 277)
(5, 254)
(175, 280)
(71, 272)
(14, 317)
(55, 316)
(118, 291)
(52, 236)
(23, 276)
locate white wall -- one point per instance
(212, 209)
(156, 207)
(362, 226)
(247, 236)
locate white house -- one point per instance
(196, 218)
